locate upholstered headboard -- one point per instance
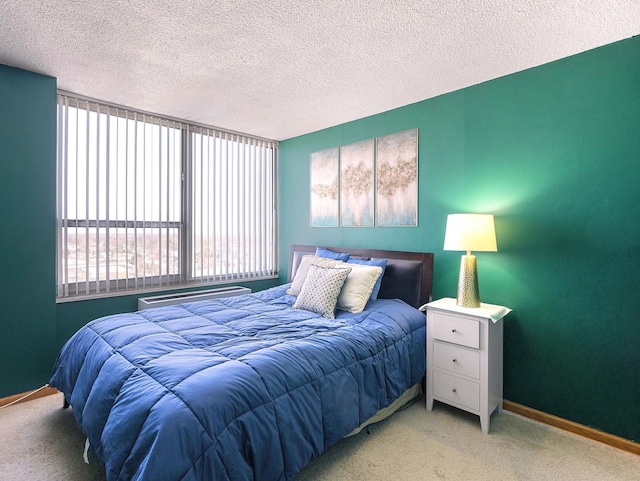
(408, 275)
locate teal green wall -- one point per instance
(27, 240)
(554, 153)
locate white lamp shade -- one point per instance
(470, 232)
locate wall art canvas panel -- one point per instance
(324, 188)
(356, 184)
(397, 179)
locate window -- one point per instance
(148, 203)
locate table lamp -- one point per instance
(469, 232)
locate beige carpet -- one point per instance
(40, 441)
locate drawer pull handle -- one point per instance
(453, 330)
(455, 360)
(455, 390)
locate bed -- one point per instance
(249, 387)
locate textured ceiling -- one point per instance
(282, 68)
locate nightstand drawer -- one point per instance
(455, 390)
(457, 330)
(458, 360)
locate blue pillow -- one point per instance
(339, 256)
(373, 262)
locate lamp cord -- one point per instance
(29, 394)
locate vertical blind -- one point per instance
(145, 202)
(233, 185)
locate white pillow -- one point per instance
(303, 268)
(320, 290)
(358, 287)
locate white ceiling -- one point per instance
(282, 68)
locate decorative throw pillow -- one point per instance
(303, 268)
(372, 262)
(329, 254)
(295, 262)
(321, 289)
(358, 287)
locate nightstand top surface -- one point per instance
(488, 311)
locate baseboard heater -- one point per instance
(192, 296)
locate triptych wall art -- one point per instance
(373, 182)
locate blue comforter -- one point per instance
(242, 388)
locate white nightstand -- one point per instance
(464, 357)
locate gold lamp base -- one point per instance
(468, 292)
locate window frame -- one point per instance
(185, 278)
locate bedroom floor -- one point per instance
(41, 442)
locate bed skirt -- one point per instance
(410, 394)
